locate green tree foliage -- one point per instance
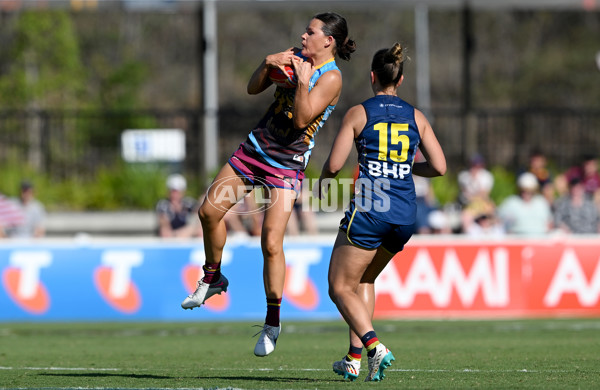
(45, 70)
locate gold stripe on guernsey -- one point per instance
(273, 304)
(325, 63)
(312, 128)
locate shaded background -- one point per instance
(75, 74)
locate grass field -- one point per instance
(508, 354)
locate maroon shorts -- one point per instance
(261, 174)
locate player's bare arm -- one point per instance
(352, 124)
(435, 164)
(260, 78)
(307, 106)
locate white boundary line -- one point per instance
(465, 370)
(121, 388)
(61, 368)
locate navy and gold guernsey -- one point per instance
(386, 151)
(275, 140)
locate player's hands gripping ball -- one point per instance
(285, 78)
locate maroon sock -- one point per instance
(273, 308)
(212, 272)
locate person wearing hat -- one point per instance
(527, 213)
(33, 213)
(176, 213)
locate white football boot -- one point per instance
(349, 369)
(205, 291)
(267, 340)
(382, 359)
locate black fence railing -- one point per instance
(76, 143)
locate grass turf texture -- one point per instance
(537, 354)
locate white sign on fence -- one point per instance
(150, 145)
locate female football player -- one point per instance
(381, 217)
(275, 155)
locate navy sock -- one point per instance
(354, 353)
(370, 341)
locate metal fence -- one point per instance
(76, 143)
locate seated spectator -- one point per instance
(33, 212)
(485, 225)
(577, 213)
(440, 222)
(479, 219)
(475, 186)
(11, 215)
(587, 173)
(475, 182)
(177, 214)
(538, 165)
(527, 213)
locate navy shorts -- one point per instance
(365, 231)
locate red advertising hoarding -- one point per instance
(457, 278)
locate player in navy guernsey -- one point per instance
(386, 151)
(387, 132)
(275, 156)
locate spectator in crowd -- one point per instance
(439, 222)
(177, 213)
(34, 214)
(475, 186)
(587, 173)
(577, 213)
(479, 219)
(527, 213)
(11, 215)
(485, 225)
(538, 165)
(476, 182)
(480, 209)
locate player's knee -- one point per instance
(335, 292)
(271, 243)
(207, 215)
(332, 295)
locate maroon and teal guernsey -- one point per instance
(275, 141)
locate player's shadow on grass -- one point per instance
(267, 379)
(149, 376)
(106, 374)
